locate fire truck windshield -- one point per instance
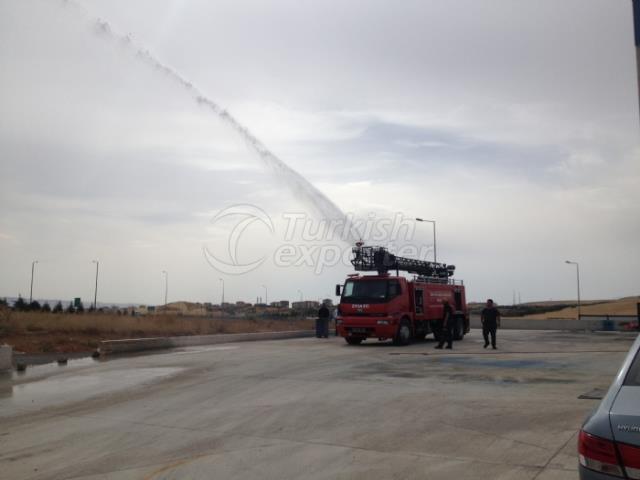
(371, 291)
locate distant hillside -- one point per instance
(622, 306)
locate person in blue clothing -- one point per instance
(322, 323)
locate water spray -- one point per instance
(300, 186)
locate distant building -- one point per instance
(305, 306)
(328, 302)
(280, 304)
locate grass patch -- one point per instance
(34, 332)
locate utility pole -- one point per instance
(33, 266)
(95, 292)
(166, 286)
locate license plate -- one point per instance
(359, 330)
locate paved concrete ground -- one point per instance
(312, 409)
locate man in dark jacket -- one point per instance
(490, 319)
(448, 323)
(322, 324)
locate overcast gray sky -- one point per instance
(513, 124)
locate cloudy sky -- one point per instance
(513, 124)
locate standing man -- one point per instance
(490, 319)
(447, 322)
(322, 324)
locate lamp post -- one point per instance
(266, 298)
(33, 266)
(95, 292)
(222, 281)
(166, 286)
(434, 236)
(578, 281)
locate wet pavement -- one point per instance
(309, 408)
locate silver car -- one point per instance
(609, 442)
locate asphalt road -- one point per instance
(312, 409)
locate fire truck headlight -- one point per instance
(383, 322)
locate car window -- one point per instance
(633, 376)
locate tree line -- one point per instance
(21, 305)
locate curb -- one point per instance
(109, 347)
(6, 354)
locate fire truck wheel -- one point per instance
(404, 334)
(354, 340)
(458, 333)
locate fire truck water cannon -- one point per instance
(379, 259)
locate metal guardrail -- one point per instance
(607, 316)
(614, 322)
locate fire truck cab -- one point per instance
(385, 306)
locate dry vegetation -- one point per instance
(623, 306)
(35, 332)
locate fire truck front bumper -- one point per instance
(374, 327)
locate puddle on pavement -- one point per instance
(505, 379)
(500, 371)
(502, 362)
(192, 350)
(80, 386)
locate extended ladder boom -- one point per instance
(379, 259)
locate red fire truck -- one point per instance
(385, 306)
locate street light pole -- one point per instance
(33, 266)
(95, 292)
(578, 281)
(266, 298)
(166, 286)
(222, 280)
(434, 236)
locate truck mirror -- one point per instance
(337, 290)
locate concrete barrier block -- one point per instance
(6, 357)
(134, 345)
